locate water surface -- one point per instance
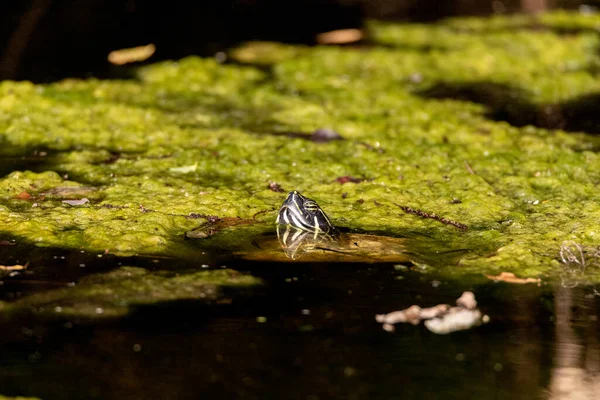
(310, 333)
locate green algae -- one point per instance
(118, 292)
(521, 190)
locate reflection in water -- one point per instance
(335, 246)
(309, 333)
(317, 339)
(574, 263)
(576, 357)
(296, 242)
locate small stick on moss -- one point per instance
(144, 209)
(262, 212)
(468, 167)
(423, 214)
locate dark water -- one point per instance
(310, 334)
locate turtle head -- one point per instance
(303, 213)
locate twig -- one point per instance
(423, 214)
(468, 167)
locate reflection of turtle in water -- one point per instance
(304, 231)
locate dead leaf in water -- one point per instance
(509, 277)
(130, 55)
(340, 36)
(16, 267)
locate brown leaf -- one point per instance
(23, 196)
(346, 179)
(13, 267)
(509, 277)
(134, 54)
(340, 36)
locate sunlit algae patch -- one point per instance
(461, 119)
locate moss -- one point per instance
(116, 293)
(448, 118)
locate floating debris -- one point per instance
(13, 267)
(131, 55)
(325, 135)
(185, 169)
(276, 187)
(340, 36)
(76, 202)
(413, 314)
(467, 300)
(457, 319)
(11, 270)
(441, 319)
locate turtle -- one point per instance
(305, 233)
(303, 214)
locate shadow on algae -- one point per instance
(510, 104)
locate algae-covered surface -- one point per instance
(418, 108)
(469, 147)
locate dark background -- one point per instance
(45, 40)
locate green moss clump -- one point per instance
(118, 292)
